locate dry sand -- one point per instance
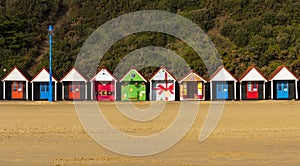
(249, 133)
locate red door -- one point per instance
(252, 90)
(74, 90)
(17, 90)
(104, 90)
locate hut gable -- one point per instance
(103, 75)
(15, 75)
(283, 73)
(133, 75)
(161, 74)
(73, 75)
(192, 76)
(252, 74)
(43, 76)
(222, 74)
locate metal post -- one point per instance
(50, 33)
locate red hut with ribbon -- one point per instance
(162, 85)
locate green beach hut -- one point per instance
(133, 86)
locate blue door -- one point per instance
(222, 90)
(282, 90)
(44, 90)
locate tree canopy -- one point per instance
(245, 32)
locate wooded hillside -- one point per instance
(265, 33)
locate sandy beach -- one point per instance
(249, 133)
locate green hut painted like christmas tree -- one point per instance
(133, 86)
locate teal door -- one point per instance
(44, 90)
(222, 90)
(282, 90)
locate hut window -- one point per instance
(46, 87)
(20, 87)
(254, 85)
(42, 87)
(15, 86)
(219, 87)
(285, 85)
(72, 87)
(279, 87)
(249, 86)
(184, 88)
(200, 88)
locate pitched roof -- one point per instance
(133, 68)
(286, 74)
(250, 70)
(15, 74)
(73, 74)
(106, 75)
(43, 77)
(226, 77)
(157, 75)
(191, 72)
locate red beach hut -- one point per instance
(252, 84)
(103, 86)
(15, 85)
(74, 85)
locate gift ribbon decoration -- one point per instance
(165, 88)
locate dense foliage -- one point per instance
(264, 33)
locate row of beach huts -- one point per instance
(162, 85)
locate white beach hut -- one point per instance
(15, 85)
(74, 85)
(40, 86)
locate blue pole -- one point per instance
(50, 64)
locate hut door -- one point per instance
(74, 90)
(17, 90)
(191, 89)
(252, 90)
(222, 90)
(282, 90)
(44, 90)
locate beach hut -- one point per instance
(103, 86)
(192, 87)
(74, 85)
(223, 85)
(283, 84)
(133, 86)
(15, 85)
(252, 84)
(40, 86)
(162, 85)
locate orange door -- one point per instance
(74, 90)
(17, 90)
